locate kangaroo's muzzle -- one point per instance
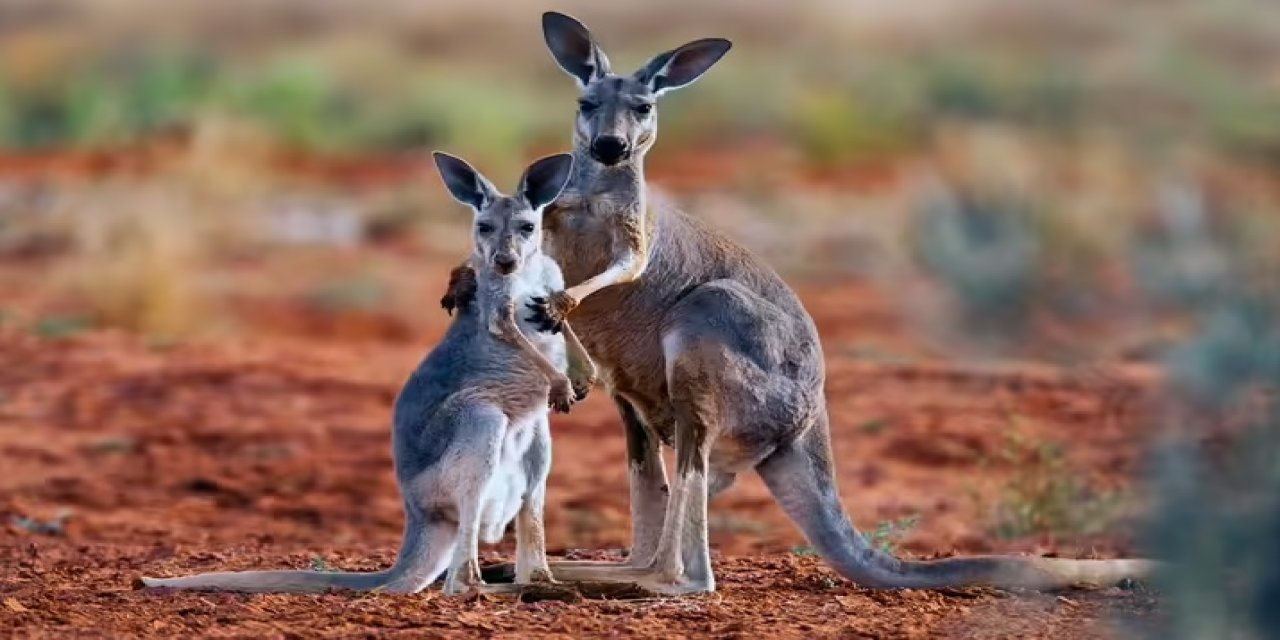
(610, 150)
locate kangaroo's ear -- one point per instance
(545, 179)
(682, 65)
(573, 48)
(464, 183)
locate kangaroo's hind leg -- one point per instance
(681, 562)
(531, 541)
(722, 371)
(467, 470)
(648, 481)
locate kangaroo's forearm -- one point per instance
(629, 262)
(627, 269)
(580, 364)
(504, 326)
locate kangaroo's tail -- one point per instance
(801, 477)
(422, 558)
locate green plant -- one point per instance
(874, 426)
(62, 326)
(318, 564)
(985, 249)
(887, 533)
(834, 128)
(299, 102)
(140, 272)
(55, 526)
(1047, 495)
(1217, 521)
(361, 293)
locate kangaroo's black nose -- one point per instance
(505, 264)
(609, 149)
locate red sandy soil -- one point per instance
(272, 452)
(750, 160)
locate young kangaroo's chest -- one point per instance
(538, 280)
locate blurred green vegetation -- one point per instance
(858, 115)
(1218, 518)
(1047, 495)
(835, 99)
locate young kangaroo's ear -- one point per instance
(683, 65)
(573, 48)
(545, 179)
(464, 183)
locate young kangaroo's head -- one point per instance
(617, 120)
(507, 230)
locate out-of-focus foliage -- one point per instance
(1218, 520)
(840, 83)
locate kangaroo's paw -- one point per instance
(462, 289)
(582, 386)
(562, 395)
(550, 312)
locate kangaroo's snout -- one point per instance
(610, 150)
(504, 263)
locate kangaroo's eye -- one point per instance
(484, 228)
(526, 228)
(643, 108)
(587, 106)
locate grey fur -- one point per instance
(705, 348)
(470, 438)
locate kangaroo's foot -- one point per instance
(464, 580)
(649, 578)
(483, 589)
(551, 312)
(506, 572)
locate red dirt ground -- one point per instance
(273, 453)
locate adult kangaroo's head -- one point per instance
(617, 119)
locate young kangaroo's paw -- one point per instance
(462, 289)
(562, 395)
(550, 312)
(582, 386)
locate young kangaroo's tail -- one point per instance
(801, 477)
(423, 556)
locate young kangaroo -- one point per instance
(703, 346)
(471, 443)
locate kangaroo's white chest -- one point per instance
(539, 279)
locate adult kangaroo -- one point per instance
(702, 346)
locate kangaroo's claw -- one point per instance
(462, 289)
(542, 317)
(561, 397)
(551, 312)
